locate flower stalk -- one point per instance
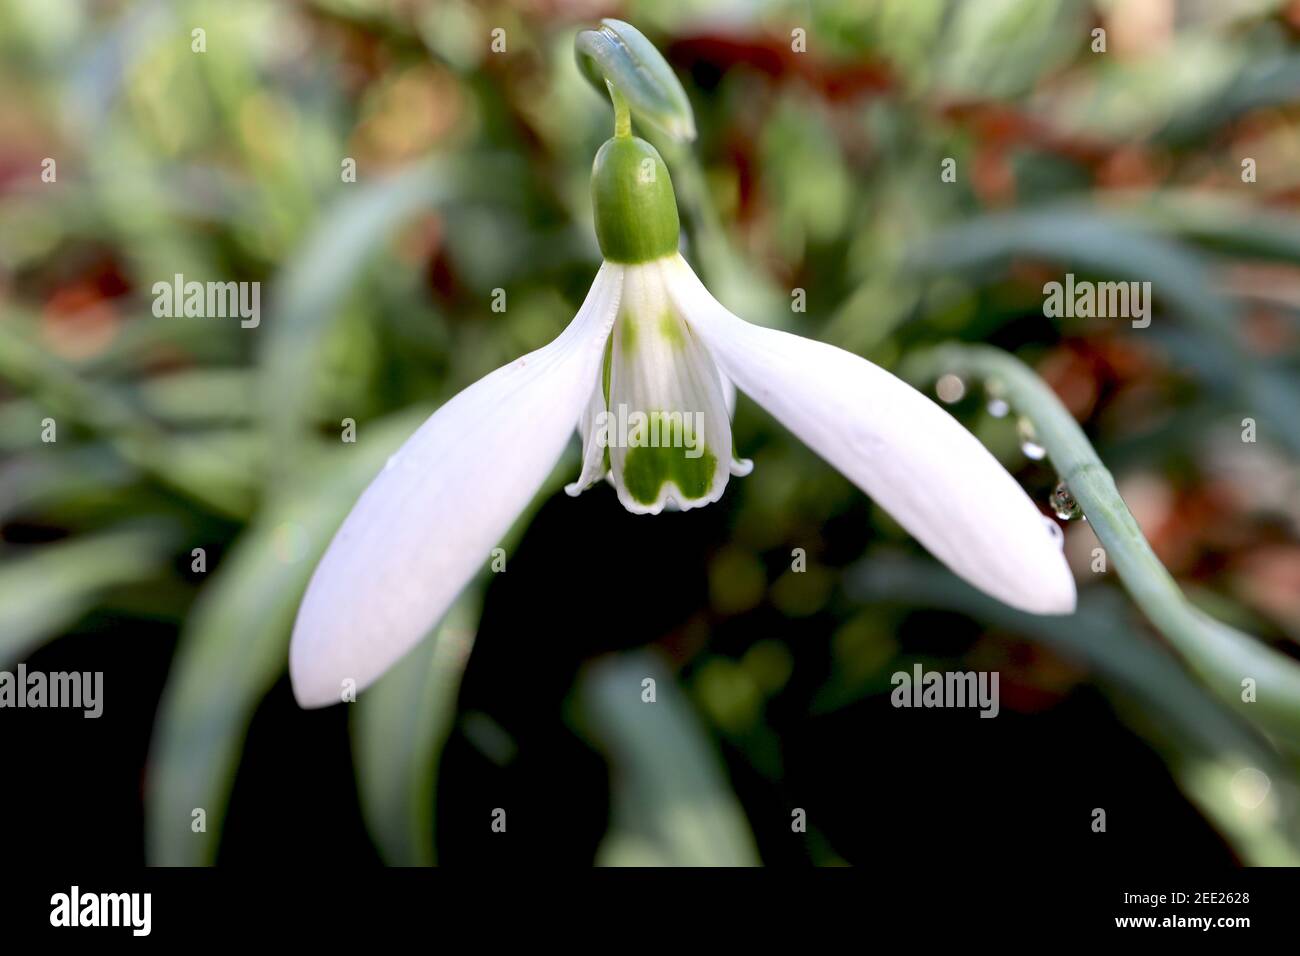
(622, 113)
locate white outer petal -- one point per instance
(898, 446)
(427, 523)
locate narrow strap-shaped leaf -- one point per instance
(202, 473)
(235, 646)
(1105, 243)
(399, 728)
(311, 286)
(43, 592)
(671, 801)
(1221, 656)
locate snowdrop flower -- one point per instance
(647, 370)
(644, 369)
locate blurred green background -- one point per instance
(815, 170)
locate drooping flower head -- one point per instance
(647, 369)
(658, 424)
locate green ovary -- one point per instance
(633, 201)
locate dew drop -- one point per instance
(1064, 503)
(998, 407)
(1033, 451)
(950, 388)
(1029, 441)
(1250, 787)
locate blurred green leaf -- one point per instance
(51, 478)
(47, 589)
(200, 396)
(313, 285)
(1155, 696)
(235, 644)
(193, 465)
(1219, 223)
(671, 802)
(1270, 81)
(999, 48)
(399, 729)
(1114, 246)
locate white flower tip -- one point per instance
(1014, 554)
(1050, 592)
(329, 665)
(312, 686)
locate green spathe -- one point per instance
(619, 56)
(635, 207)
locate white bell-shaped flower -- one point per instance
(644, 369)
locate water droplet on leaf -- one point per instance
(1029, 440)
(1064, 503)
(998, 408)
(950, 388)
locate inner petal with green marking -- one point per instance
(658, 425)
